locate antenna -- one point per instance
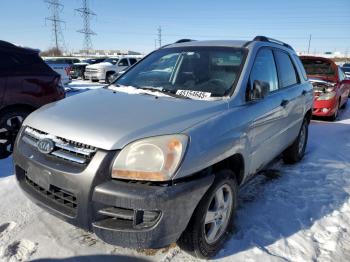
(56, 8)
(86, 13)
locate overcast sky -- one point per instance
(132, 24)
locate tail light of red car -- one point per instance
(68, 69)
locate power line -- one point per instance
(56, 8)
(86, 13)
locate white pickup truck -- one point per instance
(106, 69)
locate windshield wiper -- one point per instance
(164, 91)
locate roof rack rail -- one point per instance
(183, 41)
(271, 40)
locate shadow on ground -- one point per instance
(93, 258)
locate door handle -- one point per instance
(284, 103)
(304, 92)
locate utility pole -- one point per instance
(160, 36)
(86, 13)
(308, 49)
(56, 8)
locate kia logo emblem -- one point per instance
(46, 146)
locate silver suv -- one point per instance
(158, 156)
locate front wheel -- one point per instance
(335, 115)
(212, 221)
(10, 124)
(109, 77)
(296, 151)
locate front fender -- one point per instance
(214, 140)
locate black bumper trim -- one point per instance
(176, 204)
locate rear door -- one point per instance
(293, 96)
(269, 117)
(122, 64)
(132, 61)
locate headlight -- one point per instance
(327, 96)
(150, 159)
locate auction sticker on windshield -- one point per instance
(193, 94)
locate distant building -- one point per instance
(104, 53)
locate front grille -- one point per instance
(65, 149)
(91, 70)
(56, 194)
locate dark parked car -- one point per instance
(346, 71)
(26, 83)
(62, 60)
(78, 69)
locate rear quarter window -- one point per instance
(286, 71)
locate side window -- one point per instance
(264, 69)
(341, 74)
(132, 61)
(286, 70)
(301, 66)
(123, 62)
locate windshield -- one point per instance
(318, 67)
(346, 69)
(212, 70)
(111, 60)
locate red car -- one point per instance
(26, 83)
(331, 89)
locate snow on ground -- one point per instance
(294, 213)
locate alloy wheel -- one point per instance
(8, 134)
(302, 139)
(218, 214)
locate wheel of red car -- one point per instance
(335, 115)
(10, 124)
(212, 221)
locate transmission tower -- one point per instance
(159, 36)
(86, 13)
(56, 8)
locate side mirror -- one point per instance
(259, 90)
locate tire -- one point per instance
(94, 80)
(197, 238)
(335, 115)
(296, 151)
(345, 104)
(10, 123)
(109, 77)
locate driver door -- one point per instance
(267, 113)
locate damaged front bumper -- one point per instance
(129, 214)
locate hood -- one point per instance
(321, 80)
(109, 120)
(100, 65)
(81, 64)
(332, 79)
